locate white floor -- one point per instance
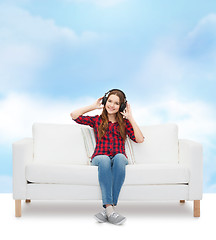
(74, 220)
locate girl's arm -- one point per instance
(137, 132)
(96, 105)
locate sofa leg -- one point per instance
(196, 208)
(18, 208)
(182, 201)
(27, 200)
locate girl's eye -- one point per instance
(115, 102)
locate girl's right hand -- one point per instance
(98, 104)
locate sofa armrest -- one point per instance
(22, 154)
(191, 156)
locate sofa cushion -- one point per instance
(89, 140)
(90, 144)
(61, 173)
(58, 143)
(160, 144)
(129, 151)
(136, 174)
(156, 174)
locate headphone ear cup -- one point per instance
(104, 100)
(122, 107)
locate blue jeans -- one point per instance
(111, 175)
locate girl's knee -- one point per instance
(104, 161)
(100, 160)
(120, 159)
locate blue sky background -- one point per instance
(58, 55)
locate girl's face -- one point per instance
(113, 104)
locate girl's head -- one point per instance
(114, 103)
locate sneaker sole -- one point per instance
(119, 223)
(99, 220)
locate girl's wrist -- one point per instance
(93, 107)
(130, 118)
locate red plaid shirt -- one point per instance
(112, 142)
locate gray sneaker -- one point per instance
(116, 218)
(101, 217)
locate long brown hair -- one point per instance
(119, 118)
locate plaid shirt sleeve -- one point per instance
(130, 131)
(86, 120)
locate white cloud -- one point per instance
(18, 64)
(160, 66)
(19, 111)
(28, 44)
(174, 62)
(163, 68)
(205, 25)
(196, 119)
(201, 41)
(20, 26)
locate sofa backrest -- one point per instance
(58, 143)
(160, 144)
(74, 144)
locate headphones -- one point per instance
(123, 105)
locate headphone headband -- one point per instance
(115, 89)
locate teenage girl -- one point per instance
(110, 128)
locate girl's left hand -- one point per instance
(127, 112)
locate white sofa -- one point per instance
(55, 164)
